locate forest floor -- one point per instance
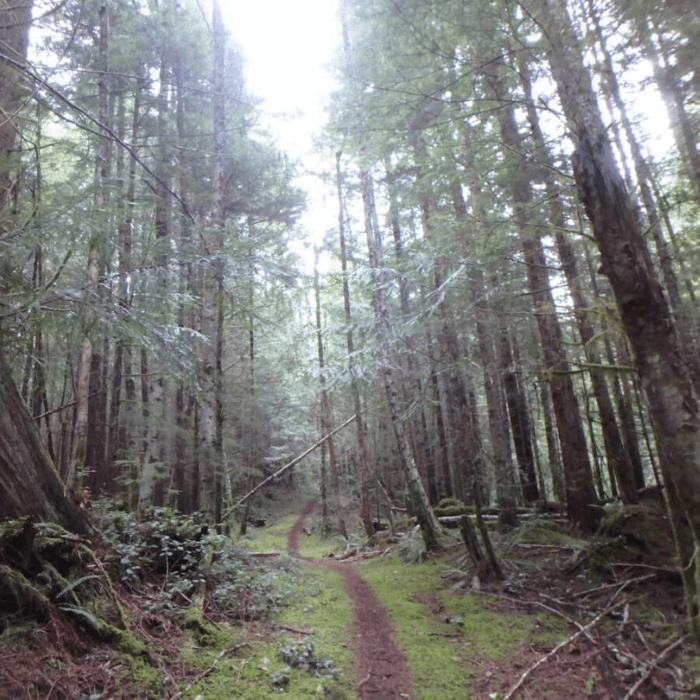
(379, 665)
(350, 622)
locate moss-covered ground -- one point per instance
(445, 635)
(253, 670)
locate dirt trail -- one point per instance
(379, 665)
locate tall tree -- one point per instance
(641, 302)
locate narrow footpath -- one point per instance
(380, 668)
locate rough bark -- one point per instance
(642, 305)
(29, 483)
(617, 458)
(15, 20)
(581, 498)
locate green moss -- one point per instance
(450, 502)
(444, 511)
(204, 632)
(541, 531)
(438, 647)
(146, 678)
(642, 534)
(325, 610)
(317, 545)
(269, 539)
(436, 661)
(320, 606)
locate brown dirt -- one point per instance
(380, 668)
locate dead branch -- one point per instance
(292, 629)
(632, 692)
(289, 465)
(582, 630)
(624, 584)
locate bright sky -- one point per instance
(288, 46)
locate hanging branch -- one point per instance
(289, 465)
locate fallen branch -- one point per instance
(632, 692)
(624, 584)
(289, 465)
(292, 629)
(557, 649)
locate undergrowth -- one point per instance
(312, 661)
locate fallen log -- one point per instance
(447, 519)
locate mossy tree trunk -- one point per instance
(29, 483)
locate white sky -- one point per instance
(287, 47)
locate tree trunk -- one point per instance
(643, 308)
(364, 468)
(15, 20)
(506, 492)
(326, 419)
(29, 483)
(85, 359)
(643, 173)
(419, 424)
(615, 452)
(418, 497)
(581, 498)
(441, 451)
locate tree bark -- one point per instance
(29, 483)
(615, 452)
(641, 302)
(15, 21)
(418, 497)
(506, 492)
(364, 469)
(581, 498)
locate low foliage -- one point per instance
(161, 542)
(302, 655)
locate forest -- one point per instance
(492, 352)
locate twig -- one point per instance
(581, 594)
(631, 693)
(366, 680)
(557, 649)
(292, 629)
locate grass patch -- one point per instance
(439, 644)
(272, 538)
(318, 544)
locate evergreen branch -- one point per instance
(103, 131)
